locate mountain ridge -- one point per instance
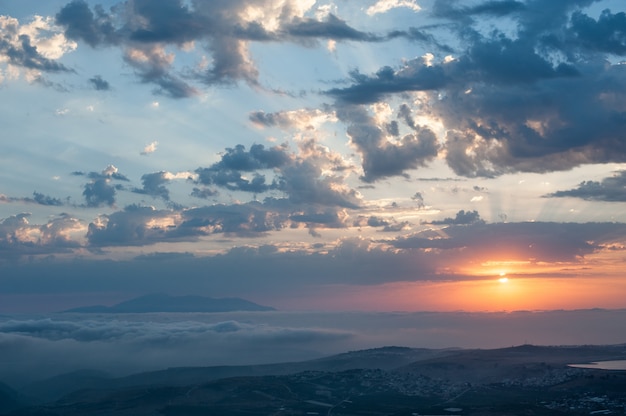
(160, 302)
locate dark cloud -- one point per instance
(300, 177)
(94, 28)
(448, 10)
(388, 226)
(204, 193)
(256, 158)
(535, 242)
(415, 76)
(234, 181)
(611, 189)
(462, 218)
(328, 219)
(101, 191)
(330, 28)
(253, 219)
(607, 34)
(381, 157)
(154, 185)
(419, 35)
(419, 199)
(99, 83)
(135, 225)
(38, 198)
(227, 173)
(42, 199)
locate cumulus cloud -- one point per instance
(510, 102)
(135, 225)
(301, 176)
(19, 237)
(101, 191)
(382, 157)
(154, 185)
(611, 189)
(34, 47)
(147, 31)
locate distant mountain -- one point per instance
(166, 303)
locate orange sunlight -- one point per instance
(494, 294)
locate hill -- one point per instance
(528, 380)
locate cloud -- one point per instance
(154, 185)
(446, 9)
(100, 191)
(607, 34)
(204, 193)
(99, 83)
(414, 76)
(152, 64)
(19, 237)
(300, 176)
(227, 173)
(382, 157)
(509, 102)
(387, 225)
(135, 225)
(33, 47)
(123, 345)
(383, 6)
(145, 30)
(534, 242)
(611, 189)
(81, 23)
(298, 119)
(462, 218)
(150, 148)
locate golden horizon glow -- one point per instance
(484, 295)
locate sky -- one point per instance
(379, 155)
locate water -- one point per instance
(603, 365)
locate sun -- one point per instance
(503, 278)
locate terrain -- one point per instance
(521, 380)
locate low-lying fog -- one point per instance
(39, 346)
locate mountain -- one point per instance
(166, 303)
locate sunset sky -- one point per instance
(371, 155)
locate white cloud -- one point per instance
(150, 148)
(383, 6)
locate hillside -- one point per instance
(529, 380)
